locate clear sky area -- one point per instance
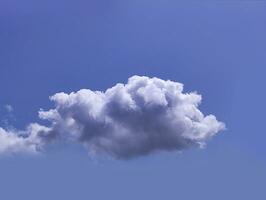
(214, 47)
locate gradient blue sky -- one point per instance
(216, 47)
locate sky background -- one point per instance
(217, 48)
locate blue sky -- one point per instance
(217, 48)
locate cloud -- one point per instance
(7, 117)
(144, 116)
(9, 108)
(29, 141)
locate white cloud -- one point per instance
(12, 141)
(144, 116)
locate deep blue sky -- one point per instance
(216, 47)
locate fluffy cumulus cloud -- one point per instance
(144, 116)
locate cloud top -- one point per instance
(143, 116)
